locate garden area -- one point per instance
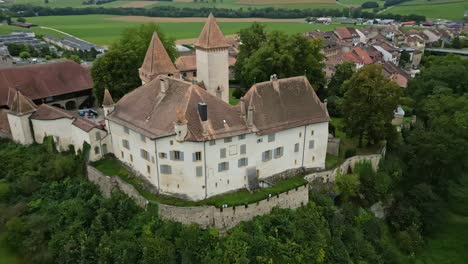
(113, 167)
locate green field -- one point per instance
(98, 30)
(6, 29)
(449, 245)
(63, 3)
(453, 10)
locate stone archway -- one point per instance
(70, 105)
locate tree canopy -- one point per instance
(369, 102)
(268, 53)
(117, 69)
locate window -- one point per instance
(212, 142)
(197, 156)
(311, 144)
(165, 169)
(96, 150)
(311, 132)
(171, 142)
(98, 136)
(199, 171)
(278, 152)
(243, 162)
(177, 155)
(126, 130)
(300, 134)
(243, 149)
(296, 147)
(125, 144)
(222, 153)
(143, 138)
(122, 154)
(227, 140)
(271, 137)
(144, 154)
(223, 166)
(162, 155)
(266, 155)
(131, 158)
(148, 169)
(260, 140)
(241, 137)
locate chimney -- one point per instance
(250, 116)
(203, 112)
(180, 125)
(164, 85)
(274, 80)
(242, 107)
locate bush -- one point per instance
(350, 153)
(238, 93)
(370, 5)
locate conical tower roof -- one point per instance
(107, 101)
(211, 36)
(157, 61)
(22, 105)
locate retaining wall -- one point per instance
(204, 216)
(348, 164)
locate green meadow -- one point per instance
(432, 10)
(101, 31)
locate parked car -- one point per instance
(89, 113)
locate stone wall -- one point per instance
(107, 184)
(226, 218)
(348, 164)
(204, 216)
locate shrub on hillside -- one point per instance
(370, 4)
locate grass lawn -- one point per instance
(432, 11)
(6, 257)
(98, 30)
(113, 167)
(449, 245)
(232, 100)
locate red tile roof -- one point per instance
(156, 61)
(211, 36)
(47, 112)
(22, 105)
(343, 33)
(4, 124)
(44, 80)
(358, 55)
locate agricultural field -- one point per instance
(6, 29)
(105, 29)
(443, 10)
(64, 3)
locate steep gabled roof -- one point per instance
(107, 100)
(283, 104)
(44, 80)
(211, 36)
(152, 112)
(47, 112)
(157, 60)
(22, 105)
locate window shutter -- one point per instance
(296, 147)
(171, 155)
(199, 171)
(239, 163)
(311, 144)
(243, 149)
(194, 158)
(227, 165)
(264, 155)
(169, 169)
(220, 167)
(182, 156)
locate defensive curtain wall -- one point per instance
(228, 217)
(205, 216)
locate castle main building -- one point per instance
(184, 137)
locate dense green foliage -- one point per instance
(51, 214)
(170, 11)
(277, 53)
(117, 70)
(369, 102)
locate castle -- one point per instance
(184, 137)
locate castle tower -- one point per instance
(156, 62)
(18, 118)
(213, 60)
(107, 103)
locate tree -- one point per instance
(21, 19)
(75, 58)
(369, 102)
(348, 186)
(370, 4)
(25, 55)
(343, 73)
(281, 54)
(117, 69)
(404, 58)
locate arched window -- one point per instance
(96, 150)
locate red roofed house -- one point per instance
(348, 35)
(64, 84)
(358, 56)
